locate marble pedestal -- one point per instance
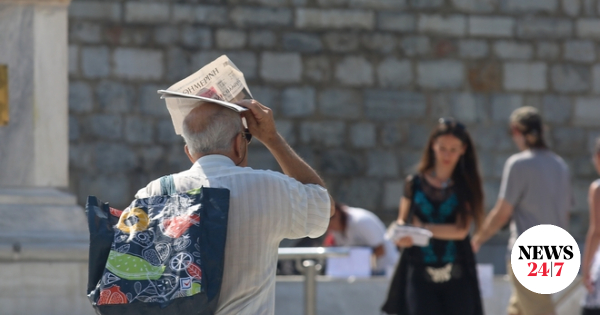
(43, 232)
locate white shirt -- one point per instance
(264, 208)
(364, 228)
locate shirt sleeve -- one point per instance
(306, 209)
(512, 185)
(153, 189)
(408, 187)
(371, 231)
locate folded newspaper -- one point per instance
(420, 236)
(219, 82)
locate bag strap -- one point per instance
(411, 209)
(167, 185)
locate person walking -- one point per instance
(445, 197)
(535, 189)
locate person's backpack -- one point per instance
(162, 255)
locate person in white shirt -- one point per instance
(265, 206)
(351, 226)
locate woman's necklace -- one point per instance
(443, 184)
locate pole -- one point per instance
(310, 287)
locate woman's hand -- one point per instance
(405, 242)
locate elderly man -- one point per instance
(265, 206)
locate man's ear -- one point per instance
(237, 146)
(189, 155)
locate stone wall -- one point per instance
(356, 85)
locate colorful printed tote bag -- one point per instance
(161, 255)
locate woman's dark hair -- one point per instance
(528, 121)
(339, 210)
(466, 178)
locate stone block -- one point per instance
(525, 76)
(491, 26)
(556, 108)
(146, 12)
(548, 50)
(505, 49)
(354, 71)
(205, 14)
(114, 187)
(467, 107)
(281, 67)
(95, 62)
(80, 97)
(596, 78)
(165, 132)
(529, 6)
(416, 45)
(396, 22)
(361, 192)
(260, 16)
(393, 134)
(114, 97)
(340, 162)
(382, 163)
(166, 35)
(302, 42)
(394, 73)
(197, 37)
(150, 102)
(340, 103)
(378, 4)
(95, 10)
(570, 78)
(113, 157)
(392, 192)
(418, 134)
(363, 135)
(73, 128)
(587, 112)
(73, 59)
(426, 4)
(139, 130)
(473, 48)
(393, 105)
(230, 39)
(178, 64)
(544, 27)
(580, 51)
(262, 39)
(298, 102)
(267, 96)
(138, 63)
(341, 42)
(286, 129)
(103, 126)
(474, 6)
(503, 105)
(384, 43)
(486, 77)
(323, 133)
(588, 28)
(317, 68)
(452, 25)
(493, 137)
(246, 61)
(334, 19)
(182, 13)
(84, 32)
(571, 7)
(569, 139)
(410, 161)
(440, 74)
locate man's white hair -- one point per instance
(216, 136)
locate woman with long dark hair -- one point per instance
(445, 196)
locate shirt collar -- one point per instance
(213, 160)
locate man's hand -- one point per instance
(260, 121)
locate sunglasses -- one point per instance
(451, 123)
(247, 135)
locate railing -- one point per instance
(308, 260)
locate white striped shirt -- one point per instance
(265, 207)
